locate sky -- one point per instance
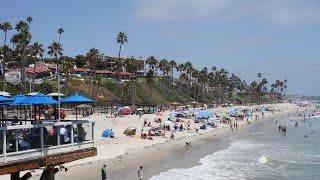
(278, 38)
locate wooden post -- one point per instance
(4, 136)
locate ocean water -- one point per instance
(262, 153)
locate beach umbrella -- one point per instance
(76, 98)
(16, 100)
(38, 99)
(4, 99)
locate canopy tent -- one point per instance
(205, 114)
(107, 133)
(234, 111)
(125, 110)
(130, 131)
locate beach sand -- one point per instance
(126, 153)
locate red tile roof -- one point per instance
(82, 70)
(103, 72)
(38, 70)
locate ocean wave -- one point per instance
(245, 160)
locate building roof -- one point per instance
(38, 70)
(81, 70)
(103, 72)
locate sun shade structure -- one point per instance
(76, 98)
(56, 94)
(4, 93)
(4, 99)
(16, 100)
(39, 99)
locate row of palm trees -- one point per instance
(195, 84)
(23, 51)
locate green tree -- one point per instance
(67, 64)
(5, 27)
(92, 57)
(118, 66)
(152, 62)
(37, 53)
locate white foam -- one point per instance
(245, 160)
(239, 161)
(263, 160)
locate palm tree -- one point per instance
(173, 65)
(22, 40)
(5, 27)
(55, 50)
(92, 56)
(37, 52)
(121, 39)
(132, 67)
(285, 86)
(165, 67)
(60, 31)
(67, 64)
(29, 20)
(152, 72)
(259, 76)
(189, 69)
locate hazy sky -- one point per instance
(279, 38)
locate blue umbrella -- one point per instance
(38, 99)
(4, 99)
(77, 98)
(16, 100)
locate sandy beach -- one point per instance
(125, 153)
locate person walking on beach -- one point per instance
(140, 173)
(104, 172)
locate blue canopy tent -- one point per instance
(38, 100)
(204, 115)
(107, 133)
(77, 98)
(233, 111)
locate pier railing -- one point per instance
(19, 142)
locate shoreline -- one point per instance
(125, 153)
(117, 169)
